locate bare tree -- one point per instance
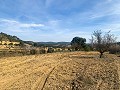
(101, 42)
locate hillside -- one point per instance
(5, 37)
(10, 38)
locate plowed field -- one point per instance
(58, 71)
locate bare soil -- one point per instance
(60, 71)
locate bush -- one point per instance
(33, 52)
(87, 48)
(50, 50)
(42, 51)
(114, 49)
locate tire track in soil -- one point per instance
(49, 67)
(44, 78)
(13, 81)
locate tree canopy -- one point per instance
(78, 43)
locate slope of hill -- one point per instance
(6, 37)
(10, 38)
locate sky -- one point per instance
(59, 20)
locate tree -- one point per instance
(35, 44)
(102, 42)
(22, 43)
(78, 43)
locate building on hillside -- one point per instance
(15, 43)
(8, 42)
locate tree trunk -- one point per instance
(101, 54)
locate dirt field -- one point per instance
(60, 71)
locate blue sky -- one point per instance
(59, 20)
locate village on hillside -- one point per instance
(13, 45)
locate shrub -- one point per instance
(114, 49)
(87, 48)
(50, 50)
(42, 51)
(33, 52)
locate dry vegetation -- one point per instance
(60, 71)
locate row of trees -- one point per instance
(99, 41)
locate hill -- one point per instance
(48, 44)
(5, 37)
(54, 44)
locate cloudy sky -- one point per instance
(59, 20)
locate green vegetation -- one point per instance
(78, 43)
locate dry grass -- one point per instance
(58, 71)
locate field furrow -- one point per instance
(47, 71)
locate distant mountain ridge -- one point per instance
(10, 38)
(61, 43)
(31, 42)
(48, 44)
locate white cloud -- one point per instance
(112, 27)
(16, 27)
(19, 24)
(8, 21)
(107, 8)
(31, 25)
